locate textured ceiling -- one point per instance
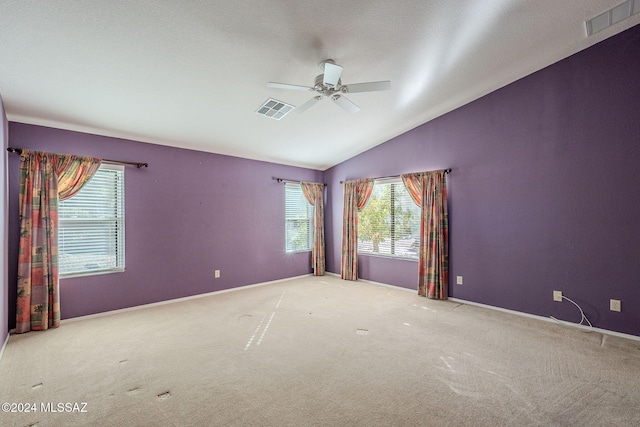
(192, 74)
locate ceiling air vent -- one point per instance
(274, 109)
(613, 16)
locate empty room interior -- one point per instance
(320, 213)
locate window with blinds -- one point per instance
(91, 226)
(389, 224)
(298, 219)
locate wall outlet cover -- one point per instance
(614, 305)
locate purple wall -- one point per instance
(544, 190)
(4, 279)
(188, 214)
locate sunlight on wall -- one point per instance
(447, 45)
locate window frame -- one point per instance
(117, 240)
(291, 188)
(415, 223)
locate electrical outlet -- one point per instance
(216, 274)
(459, 280)
(614, 305)
(557, 296)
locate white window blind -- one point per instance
(298, 219)
(389, 224)
(91, 226)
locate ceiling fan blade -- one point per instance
(310, 103)
(367, 87)
(332, 73)
(345, 104)
(287, 86)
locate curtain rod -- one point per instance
(447, 171)
(290, 181)
(136, 164)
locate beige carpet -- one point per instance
(320, 352)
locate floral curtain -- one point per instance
(314, 193)
(45, 178)
(429, 191)
(356, 195)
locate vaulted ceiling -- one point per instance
(192, 74)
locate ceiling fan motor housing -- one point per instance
(326, 61)
(326, 90)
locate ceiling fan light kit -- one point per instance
(329, 85)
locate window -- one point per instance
(91, 226)
(389, 224)
(298, 219)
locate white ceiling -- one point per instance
(192, 74)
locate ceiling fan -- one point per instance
(329, 85)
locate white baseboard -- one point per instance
(6, 340)
(519, 313)
(171, 301)
(386, 285)
(549, 319)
